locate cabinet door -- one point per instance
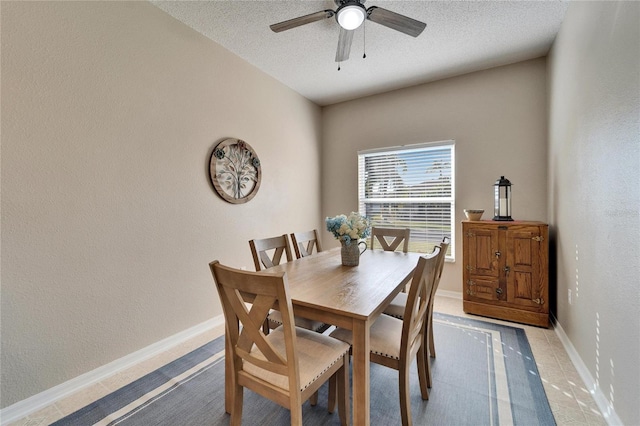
(525, 286)
(482, 246)
(481, 263)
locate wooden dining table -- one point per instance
(351, 297)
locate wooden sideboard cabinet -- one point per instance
(506, 270)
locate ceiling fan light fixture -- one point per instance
(351, 16)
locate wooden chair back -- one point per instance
(262, 362)
(267, 252)
(444, 246)
(417, 307)
(305, 242)
(244, 324)
(390, 238)
(264, 291)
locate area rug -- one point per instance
(484, 374)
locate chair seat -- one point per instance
(397, 305)
(316, 353)
(275, 317)
(384, 334)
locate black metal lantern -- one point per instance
(502, 202)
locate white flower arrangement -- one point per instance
(349, 228)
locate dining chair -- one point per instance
(268, 252)
(390, 238)
(397, 306)
(305, 242)
(396, 343)
(287, 365)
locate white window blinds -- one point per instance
(410, 187)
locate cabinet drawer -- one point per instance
(482, 288)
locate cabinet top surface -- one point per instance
(505, 222)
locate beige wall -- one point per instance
(497, 118)
(110, 111)
(594, 195)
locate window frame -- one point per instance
(407, 149)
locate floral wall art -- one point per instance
(235, 171)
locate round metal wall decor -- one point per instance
(235, 171)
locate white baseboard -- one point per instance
(607, 411)
(37, 402)
(451, 294)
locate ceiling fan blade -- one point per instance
(395, 21)
(344, 45)
(301, 20)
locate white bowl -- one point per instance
(473, 214)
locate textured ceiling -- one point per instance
(461, 37)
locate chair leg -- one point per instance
(296, 415)
(236, 411)
(333, 388)
(405, 401)
(343, 392)
(426, 360)
(313, 400)
(427, 342)
(432, 345)
(424, 373)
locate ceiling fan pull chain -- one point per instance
(338, 66)
(364, 38)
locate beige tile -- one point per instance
(566, 415)
(84, 397)
(594, 418)
(561, 393)
(448, 305)
(132, 373)
(125, 377)
(538, 341)
(552, 373)
(586, 402)
(28, 422)
(535, 334)
(565, 362)
(553, 337)
(574, 379)
(541, 348)
(196, 342)
(44, 416)
(545, 358)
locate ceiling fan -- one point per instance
(350, 14)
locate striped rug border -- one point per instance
(151, 388)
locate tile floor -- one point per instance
(570, 401)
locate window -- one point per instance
(411, 186)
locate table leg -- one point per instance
(361, 385)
